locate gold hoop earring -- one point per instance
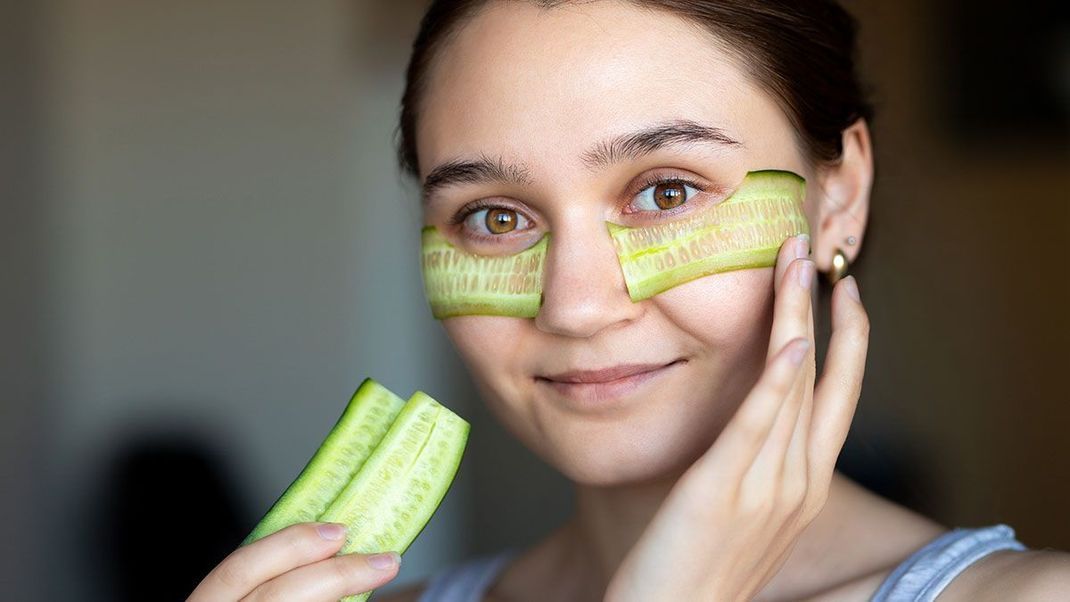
(839, 267)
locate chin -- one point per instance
(628, 451)
(650, 439)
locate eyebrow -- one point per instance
(624, 147)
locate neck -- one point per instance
(607, 522)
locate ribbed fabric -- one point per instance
(922, 576)
(919, 578)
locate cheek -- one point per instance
(724, 312)
(721, 322)
(496, 351)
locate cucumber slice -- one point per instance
(365, 421)
(460, 283)
(382, 471)
(744, 231)
(388, 503)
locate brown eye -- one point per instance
(664, 194)
(500, 221)
(669, 195)
(496, 221)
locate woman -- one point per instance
(709, 474)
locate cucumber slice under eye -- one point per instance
(745, 230)
(460, 283)
(382, 471)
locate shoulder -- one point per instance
(410, 593)
(1026, 575)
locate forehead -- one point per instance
(540, 85)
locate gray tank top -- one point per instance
(919, 578)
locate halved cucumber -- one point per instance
(365, 421)
(460, 283)
(744, 231)
(382, 471)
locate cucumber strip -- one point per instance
(744, 231)
(351, 441)
(391, 500)
(460, 283)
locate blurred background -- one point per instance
(205, 246)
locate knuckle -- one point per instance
(757, 505)
(794, 494)
(233, 571)
(815, 501)
(861, 322)
(297, 537)
(749, 428)
(269, 592)
(350, 569)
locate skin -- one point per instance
(716, 480)
(624, 460)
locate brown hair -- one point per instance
(801, 51)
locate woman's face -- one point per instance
(542, 94)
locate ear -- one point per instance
(843, 198)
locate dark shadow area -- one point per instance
(878, 461)
(1004, 71)
(165, 514)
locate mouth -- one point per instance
(594, 389)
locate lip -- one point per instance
(594, 389)
(604, 375)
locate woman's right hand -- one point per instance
(296, 563)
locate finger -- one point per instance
(792, 318)
(790, 305)
(330, 579)
(732, 454)
(768, 467)
(836, 395)
(264, 559)
(795, 459)
(793, 248)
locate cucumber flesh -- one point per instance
(390, 501)
(744, 231)
(404, 479)
(382, 471)
(366, 419)
(461, 283)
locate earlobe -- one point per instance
(843, 196)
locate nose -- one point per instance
(583, 286)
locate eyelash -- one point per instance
(652, 181)
(462, 215)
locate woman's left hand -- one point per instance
(731, 520)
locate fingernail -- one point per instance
(806, 273)
(799, 352)
(384, 561)
(851, 285)
(802, 245)
(331, 531)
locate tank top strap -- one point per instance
(469, 581)
(926, 572)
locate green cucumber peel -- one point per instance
(382, 471)
(746, 230)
